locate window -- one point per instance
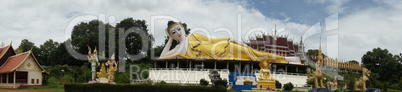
(37, 81)
(32, 81)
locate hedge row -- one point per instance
(97, 87)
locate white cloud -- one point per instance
(40, 21)
(364, 30)
(333, 5)
(359, 31)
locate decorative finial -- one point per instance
(95, 50)
(275, 32)
(2, 45)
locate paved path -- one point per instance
(25, 91)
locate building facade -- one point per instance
(19, 70)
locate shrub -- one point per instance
(278, 84)
(68, 78)
(162, 82)
(122, 77)
(288, 86)
(53, 82)
(221, 82)
(395, 86)
(204, 82)
(216, 78)
(98, 87)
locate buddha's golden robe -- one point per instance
(202, 47)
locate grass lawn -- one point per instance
(37, 89)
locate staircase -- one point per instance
(9, 85)
(326, 70)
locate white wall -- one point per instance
(192, 76)
(33, 69)
(34, 75)
(182, 76)
(297, 80)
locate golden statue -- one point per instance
(197, 46)
(111, 69)
(362, 81)
(102, 75)
(317, 75)
(265, 81)
(335, 84)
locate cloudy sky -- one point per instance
(348, 28)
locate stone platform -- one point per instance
(261, 90)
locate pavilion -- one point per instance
(19, 70)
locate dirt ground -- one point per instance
(26, 91)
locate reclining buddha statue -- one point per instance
(197, 46)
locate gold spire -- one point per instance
(275, 32)
(319, 53)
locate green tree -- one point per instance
(314, 52)
(26, 45)
(353, 62)
(60, 56)
(87, 34)
(84, 73)
(382, 62)
(133, 40)
(43, 56)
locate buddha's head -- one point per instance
(176, 31)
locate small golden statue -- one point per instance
(362, 81)
(102, 75)
(335, 84)
(332, 85)
(265, 81)
(111, 69)
(317, 75)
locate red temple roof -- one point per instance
(15, 61)
(3, 51)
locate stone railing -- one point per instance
(192, 69)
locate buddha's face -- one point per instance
(177, 33)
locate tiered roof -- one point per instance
(274, 44)
(9, 61)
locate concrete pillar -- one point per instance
(252, 66)
(190, 65)
(286, 69)
(166, 66)
(178, 64)
(215, 65)
(14, 77)
(7, 77)
(227, 65)
(202, 65)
